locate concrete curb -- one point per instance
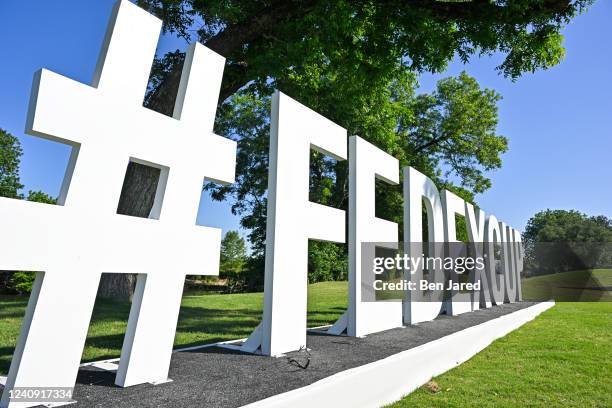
(387, 380)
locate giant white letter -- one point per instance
(418, 188)
(493, 243)
(291, 220)
(366, 164)
(459, 302)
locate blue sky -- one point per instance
(559, 122)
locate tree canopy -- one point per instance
(562, 240)
(449, 134)
(272, 39)
(233, 260)
(10, 160)
(10, 155)
(357, 63)
(568, 226)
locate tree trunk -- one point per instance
(137, 196)
(117, 286)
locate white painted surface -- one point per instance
(519, 255)
(74, 243)
(496, 282)
(475, 219)
(419, 190)
(366, 164)
(454, 205)
(291, 220)
(106, 366)
(509, 256)
(506, 264)
(385, 381)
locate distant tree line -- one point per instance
(562, 240)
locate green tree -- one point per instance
(40, 197)
(561, 240)
(346, 60)
(450, 135)
(10, 157)
(326, 262)
(568, 226)
(272, 39)
(233, 260)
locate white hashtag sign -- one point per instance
(72, 244)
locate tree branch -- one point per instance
(433, 142)
(237, 35)
(228, 43)
(231, 41)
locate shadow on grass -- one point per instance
(572, 286)
(196, 326)
(203, 319)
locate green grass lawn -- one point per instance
(567, 286)
(204, 318)
(563, 358)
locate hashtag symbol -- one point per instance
(72, 244)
